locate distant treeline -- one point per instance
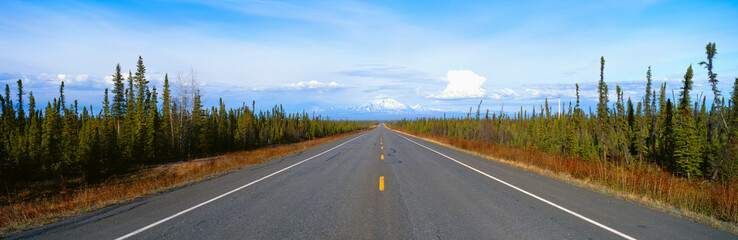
(137, 127)
(686, 137)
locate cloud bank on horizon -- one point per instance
(318, 56)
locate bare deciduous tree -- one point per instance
(187, 85)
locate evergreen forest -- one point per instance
(137, 126)
(693, 138)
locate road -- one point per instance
(334, 191)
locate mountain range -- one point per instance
(385, 105)
(383, 109)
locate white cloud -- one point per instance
(81, 77)
(462, 84)
(504, 93)
(552, 92)
(314, 85)
(304, 85)
(82, 81)
(109, 80)
(509, 92)
(381, 96)
(69, 79)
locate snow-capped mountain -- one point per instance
(418, 108)
(382, 109)
(383, 105)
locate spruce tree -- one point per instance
(602, 91)
(152, 145)
(8, 117)
(196, 125)
(2, 106)
(33, 137)
(130, 96)
(119, 100)
(685, 101)
(602, 111)
(734, 108)
(107, 129)
(709, 147)
(50, 142)
(687, 152)
(31, 105)
(620, 127)
(224, 133)
(576, 107)
(106, 105)
(21, 113)
(711, 51)
(4, 172)
(6, 126)
(630, 114)
(141, 85)
(650, 123)
(631, 128)
(647, 98)
(69, 142)
(61, 102)
(7, 106)
(668, 136)
(128, 138)
(141, 117)
(86, 149)
(643, 133)
(167, 119)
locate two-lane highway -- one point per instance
(381, 185)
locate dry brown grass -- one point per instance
(712, 203)
(20, 212)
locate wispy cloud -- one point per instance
(315, 85)
(312, 85)
(49, 80)
(291, 51)
(504, 93)
(396, 73)
(336, 14)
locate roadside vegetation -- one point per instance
(40, 204)
(674, 152)
(63, 159)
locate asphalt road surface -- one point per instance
(378, 185)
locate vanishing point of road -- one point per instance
(378, 185)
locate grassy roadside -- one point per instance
(705, 202)
(20, 213)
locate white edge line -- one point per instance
(528, 193)
(226, 194)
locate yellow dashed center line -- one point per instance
(381, 147)
(382, 156)
(381, 183)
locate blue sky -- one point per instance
(322, 55)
